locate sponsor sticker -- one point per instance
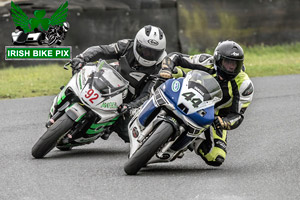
(110, 105)
(135, 132)
(175, 86)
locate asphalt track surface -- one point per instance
(262, 160)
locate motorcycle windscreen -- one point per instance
(107, 80)
(206, 85)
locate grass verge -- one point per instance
(47, 79)
(275, 60)
(32, 81)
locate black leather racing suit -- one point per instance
(139, 77)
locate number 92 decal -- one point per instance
(91, 96)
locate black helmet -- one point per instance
(228, 58)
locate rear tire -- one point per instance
(48, 141)
(141, 157)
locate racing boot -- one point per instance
(121, 127)
(213, 149)
(106, 134)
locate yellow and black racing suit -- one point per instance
(237, 96)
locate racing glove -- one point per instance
(77, 63)
(124, 108)
(222, 123)
(166, 68)
(177, 73)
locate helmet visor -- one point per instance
(231, 66)
(148, 53)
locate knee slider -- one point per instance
(216, 163)
(215, 157)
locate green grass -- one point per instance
(271, 60)
(47, 79)
(32, 81)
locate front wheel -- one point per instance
(140, 158)
(48, 141)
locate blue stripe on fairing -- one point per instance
(206, 119)
(172, 96)
(146, 112)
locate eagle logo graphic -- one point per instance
(46, 30)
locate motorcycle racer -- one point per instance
(226, 65)
(143, 55)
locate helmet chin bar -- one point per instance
(225, 76)
(145, 63)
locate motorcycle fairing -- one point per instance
(147, 110)
(202, 114)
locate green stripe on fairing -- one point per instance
(104, 124)
(61, 96)
(80, 117)
(80, 82)
(101, 65)
(92, 130)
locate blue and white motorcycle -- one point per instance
(177, 114)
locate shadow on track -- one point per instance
(79, 153)
(167, 170)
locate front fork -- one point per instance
(74, 111)
(162, 116)
(58, 114)
(80, 128)
(151, 125)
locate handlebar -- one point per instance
(66, 65)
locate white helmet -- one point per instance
(149, 46)
(66, 26)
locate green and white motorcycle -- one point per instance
(84, 110)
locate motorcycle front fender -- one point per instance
(137, 136)
(75, 112)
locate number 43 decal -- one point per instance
(189, 97)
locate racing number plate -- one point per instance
(91, 96)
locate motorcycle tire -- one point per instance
(140, 158)
(49, 139)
